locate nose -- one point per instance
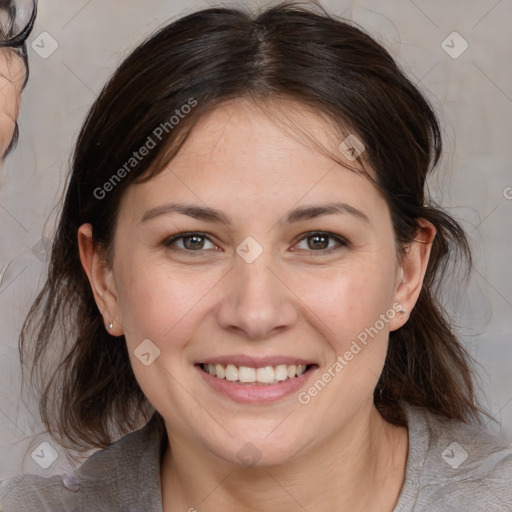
(256, 300)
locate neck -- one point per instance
(361, 469)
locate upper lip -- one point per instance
(255, 362)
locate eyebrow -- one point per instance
(296, 215)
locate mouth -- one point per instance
(268, 375)
(256, 380)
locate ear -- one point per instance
(412, 272)
(101, 279)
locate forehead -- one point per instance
(241, 153)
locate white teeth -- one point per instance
(231, 372)
(263, 375)
(220, 371)
(246, 374)
(281, 372)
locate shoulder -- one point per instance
(127, 472)
(458, 465)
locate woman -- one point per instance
(247, 258)
(16, 21)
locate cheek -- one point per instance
(348, 299)
(164, 307)
(157, 303)
(167, 303)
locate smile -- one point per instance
(256, 380)
(266, 375)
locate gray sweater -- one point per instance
(451, 466)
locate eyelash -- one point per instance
(169, 242)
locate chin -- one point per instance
(258, 451)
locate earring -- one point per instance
(110, 326)
(401, 313)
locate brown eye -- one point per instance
(318, 242)
(191, 242)
(322, 242)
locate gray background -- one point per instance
(472, 95)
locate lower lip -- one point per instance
(247, 393)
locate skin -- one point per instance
(12, 75)
(293, 300)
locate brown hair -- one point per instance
(211, 56)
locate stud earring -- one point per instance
(401, 313)
(110, 326)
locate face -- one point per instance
(12, 75)
(267, 286)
